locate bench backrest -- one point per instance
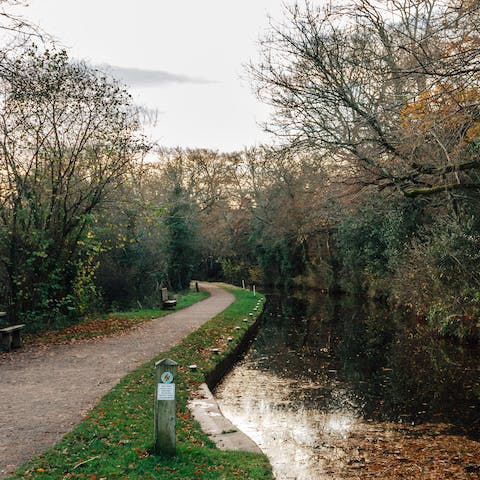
(11, 329)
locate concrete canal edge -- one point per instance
(204, 406)
(219, 429)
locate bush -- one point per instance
(439, 276)
(371, 242)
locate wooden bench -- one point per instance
(166, 302)
(11, 337)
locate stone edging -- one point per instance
(219, 429)
(205, 409)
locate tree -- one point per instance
(204, 181)
(349, 80)
(67, 137)
(182, 251)
(133, 262)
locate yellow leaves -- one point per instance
(473, 132)
(440, 96)
(417, 109)
(446, 109)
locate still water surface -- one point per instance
(331, 389)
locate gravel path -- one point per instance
(45, 391)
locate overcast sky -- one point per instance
(181, 57)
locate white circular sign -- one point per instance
(166, 377)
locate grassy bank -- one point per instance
(111, 323)
(115, 440)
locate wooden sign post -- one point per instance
(165, 408)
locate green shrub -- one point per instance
(370, 243)
(439, 275)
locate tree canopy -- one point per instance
(386, 91)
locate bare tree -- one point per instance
(388, 91)
(16, 33)
(15, 24)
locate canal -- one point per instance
(333, 389)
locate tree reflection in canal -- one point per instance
(331, 389)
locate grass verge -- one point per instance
(115, 440)
(110, 323)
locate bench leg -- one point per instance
(7, 342)
(16, 340)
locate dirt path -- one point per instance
(44, 392)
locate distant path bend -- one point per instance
(45, 392)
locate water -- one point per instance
(335, 390)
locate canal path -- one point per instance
(332, 390)
(45, 391)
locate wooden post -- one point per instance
(254, 290)
(165, 408)
(196, 287)
(243, 284)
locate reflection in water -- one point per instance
(293, 433)
(329, 391)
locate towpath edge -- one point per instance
(205, 409)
